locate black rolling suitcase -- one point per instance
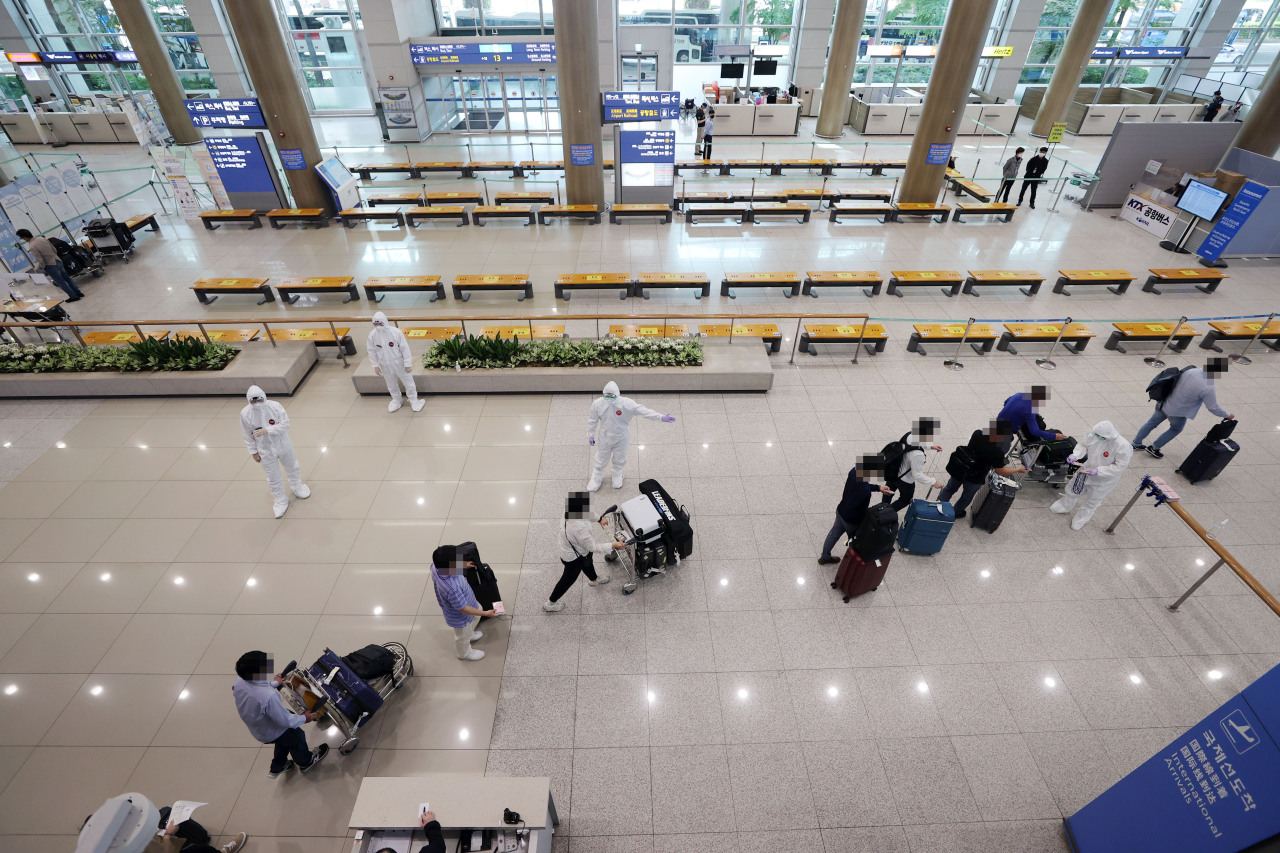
(483, 582)
(1211, 455)
(992, 502)
(677, 533)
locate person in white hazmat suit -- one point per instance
(1108, 454)
(265, 426)
(389, 351)
(613, 414)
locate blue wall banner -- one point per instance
(1240, 209)
(1215, 788)
(292, 159)
(240, 164)
(939, 154)
(582, 155)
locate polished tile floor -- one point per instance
(735, 704)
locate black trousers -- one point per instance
(1031, 184)
(906, 493)
(1005, 189)
(706, 148)
(291, 744)
(573, 568)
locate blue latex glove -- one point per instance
(1092, 472)
(1073, 459)
(668, 419)
(591, 440)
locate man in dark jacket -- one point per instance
(431, 828)
(853, 505)
(1211, 108)
(1034, 176)
(984, 453)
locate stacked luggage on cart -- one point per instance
(110, 238)
(656, 530)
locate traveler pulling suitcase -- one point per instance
(992, 502)
(925, 528)
(483, 582)
(1211, 455)
(857, 575)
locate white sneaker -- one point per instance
(281, 509)
(553, 607)
(236, 843)
(474, 654)
(599, 581)
(417, 405)
(477, 635)
(303, 493)
(594, 485)
(617, 481)
(394, 405)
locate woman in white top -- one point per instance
(577, 549)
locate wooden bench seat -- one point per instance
(728, 166)
(963, 186)
(454, 198)
(589, 212)
(809, 164)
(1150, 332)
(537, 197)
(1117, 281)
(437, 212)
(123, 337)
(1240, 330)
(291, 288)
(669, 280)
(208, 290)
(838, 278)
(438, 166)
(240, 214)
(988, 208)
(321, 336)
(593, 281)
(808, 196)
(1075, 339)
(221, 336)
(926, 209)
(871, 335)
(758, 195)
(1205, 279)
(303, 215)
(683, 200)
(981, 336)
(950, 279)
(660, 210)
(1028, 281)
(432, 333)
(366, 171)
(766, 332)
(718, 211)
(881, 211)
(353, 216)
(394, 200)
(376, 287)
(481, 212)
(494, 166)
(874, 166)
(790, 281)
(464, 284)
(542, 166)
(797, 209)
(142, 220)
(656, 330)
(540, 332)
(704, 165)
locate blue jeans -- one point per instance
(291, 744)
(1176, 425)
(58, 275)
(967, 491)
(840, 527)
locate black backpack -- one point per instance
(890, 460)
(371, 662)
(876, 532)
(1165, 381)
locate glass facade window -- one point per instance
(327, 38)
(1254, 40)
(473, 17)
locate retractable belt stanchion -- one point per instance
(1154, 360)
(1047, 361)
(954, 362)
(862, 334)
(1243, 357)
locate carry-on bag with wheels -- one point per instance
(992, 502)
(857, 575)
(482, 580)
(1211, 455)
(925, 528)
(876, 532)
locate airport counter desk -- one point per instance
(387, 809)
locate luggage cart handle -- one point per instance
(611, 509)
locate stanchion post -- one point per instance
(201, 327)
(342, 353)
(954, 363)
(862, 336)
(1154, 360)
(795, 341)
(1204, 577)
(1111, 530)
(1243, 357)
(1047, 362)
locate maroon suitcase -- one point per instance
(856, 575)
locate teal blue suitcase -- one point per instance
(925, 528)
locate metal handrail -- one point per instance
(439, 318)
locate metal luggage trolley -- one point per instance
(347, 700)
(637, 523)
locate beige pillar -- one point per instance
(266, 56)
(578, 75)
(1081, 39)
(963, 38)
(144, 40)
(1260, 131)
(841, 61)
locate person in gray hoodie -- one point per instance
(1193, 389)
(1012, 168)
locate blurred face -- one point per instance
(269, 671)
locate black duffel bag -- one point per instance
(371, 662)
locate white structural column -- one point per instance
(845, 37)
(218, 48)
(1209, 38)
(389, 26)
(814, 37)
(1019, 34)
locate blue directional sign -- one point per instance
(641, 106)
(58, 58)
(484, 53)
(1241, 208)
(240, 164)
(1104, 53)
(1152, 52)
(125, 56)
(647, 158)
(225, 113)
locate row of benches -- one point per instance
(873, 336)
(521, 168)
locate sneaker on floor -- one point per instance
(553, 606)
(417, 405)
(281, 509)
(317, 755)
(1139, 447)
(1154, 451)
(961, 513)
(474, 654)
(303, 493)
(477, 635)
(289, 765)
(826, 561)
(394, 405)
(599, 581)
(236, 843)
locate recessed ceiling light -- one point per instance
(1135, 678)
(922, 687)
(1214, 674)
(742, 693)
(1049, 682)
(377, 611)
(105, 576)
(33, 577)
(833, 691)
(96, 690)
(11, 689)
(184, 694)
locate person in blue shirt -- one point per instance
(1020, 413)
(268, 720)
(457, 601)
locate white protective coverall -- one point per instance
(389, 351)
(265, 426)
(1108, 455)
(613, 414)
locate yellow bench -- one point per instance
(986, 208)
(481, 212)
(1075, 339)
(666, 330)
(420, 169)
(218, 286)
(492, 166)
(464, 284)
(920, 278)
(432, 333)
(1117, 281)
(538, 197)
(1205, 280)
(878, 210)
(767, 332)
(540, 332)
(871, 335)
(810, 164)
(838, 278)
(378, 285)
(305, 215)
(221, 336)
(339, 336)
(589, 212)
(786, 208)
(354, 215)
(593, 281)
(660, 210)
(1144, 332)
(291, 288)
(396, 199)
(541, 165)
(466, 197)
(366, 171)
(646, 280)
(982, 333)
(414, 215)
(1240, 330)
(142, 220)
(1028, 281)
(791, 282)
(683, 200)
(926, 209)
(240, 214)
(964, 186)
(123, 337)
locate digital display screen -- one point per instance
(1201, 200)
(125, 56)
(647, 158)
(240, 164)
(641, 106)
(732, 71)
(210, 112)
(484, 53)
(765, 66)
(333, 172)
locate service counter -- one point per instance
(757, 119)
(68, 127)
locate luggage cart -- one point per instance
(110, 239)
(348, 701)
(637, 523)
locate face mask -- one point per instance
(611, 396)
